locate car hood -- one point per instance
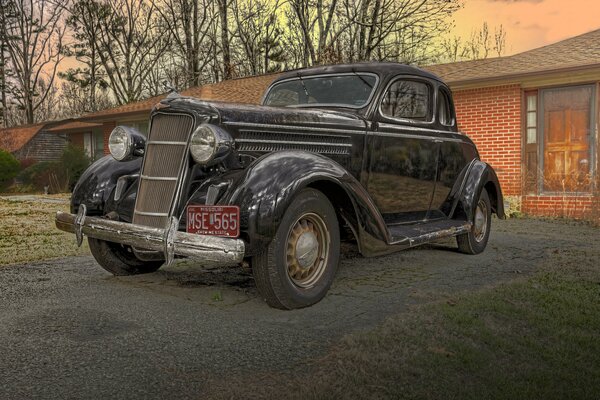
(234, 114)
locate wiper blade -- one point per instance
(362, 79)
(303, 85)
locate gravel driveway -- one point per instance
(70, 330)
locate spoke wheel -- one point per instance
(297, 268)
(307, 249)
(476, 240)
(480, 221)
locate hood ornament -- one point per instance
(171, 90)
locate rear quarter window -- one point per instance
(406, 99)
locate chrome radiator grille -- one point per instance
(161, 172)
(265, 142)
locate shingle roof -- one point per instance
(13, 139)
(576, 52)
(241, 90)
(73, 125)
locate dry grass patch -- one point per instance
(28, 233)
(537, 338)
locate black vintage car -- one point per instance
(367, 152)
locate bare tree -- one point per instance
(223, 6)
(258, 33)
(318, 27)
(4, 71)
(130, 45)
(480, 45)
(34, 39)
(75, 100)
(500, 40)
(188, 23)
(84, 22)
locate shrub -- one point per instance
(26, 163)
(9, 167)
(39, 174)
(73, 162)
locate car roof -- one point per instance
(383, 69)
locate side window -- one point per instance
(407, 100)
(444, 111)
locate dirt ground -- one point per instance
(68, 329)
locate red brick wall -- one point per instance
(579, 207)
(107, 128)
(491, 117)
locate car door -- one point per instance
(403, 153)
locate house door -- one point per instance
(567, 138)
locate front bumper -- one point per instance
(208, 250)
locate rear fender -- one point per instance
(480, 176)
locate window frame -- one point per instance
(340, 105)
(538, 187)
(592, 139)
(442, 92)
(431, 112)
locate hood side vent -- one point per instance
(252, 141)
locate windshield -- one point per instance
(342, 90)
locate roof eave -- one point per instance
(516, 78)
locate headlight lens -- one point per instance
(203, 144)
(120, 143)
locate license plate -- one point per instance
(214, 220)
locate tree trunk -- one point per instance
(227, 67)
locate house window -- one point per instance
(93, 144)
(531, 122)
(530, 154)
(566, 135)
(140, 126)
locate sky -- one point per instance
(529, 23)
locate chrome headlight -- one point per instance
(209, 144)
(124, 143)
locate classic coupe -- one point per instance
(366, 152)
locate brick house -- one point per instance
(533, 116)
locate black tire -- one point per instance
(120, 260)
(278, 270)
(476, 240)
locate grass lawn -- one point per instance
(534, 339)
(27, 232)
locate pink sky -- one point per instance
(530, 23)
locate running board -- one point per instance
(414, 235)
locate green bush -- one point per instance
(58, 176)
(73, 162)
(38, 174)
(9, 167)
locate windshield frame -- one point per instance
(333, 105)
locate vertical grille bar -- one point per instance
(162, 169)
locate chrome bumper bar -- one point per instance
(208, 250)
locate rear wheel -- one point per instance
(298, 267)
(476, 240)
(119, 259)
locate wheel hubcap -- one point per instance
(480, 221)
(307, 250)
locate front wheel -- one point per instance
(475, 241)
(119, 259)
(298, 267)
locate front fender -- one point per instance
(265, 189)
(98, 181)
(481, 175)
